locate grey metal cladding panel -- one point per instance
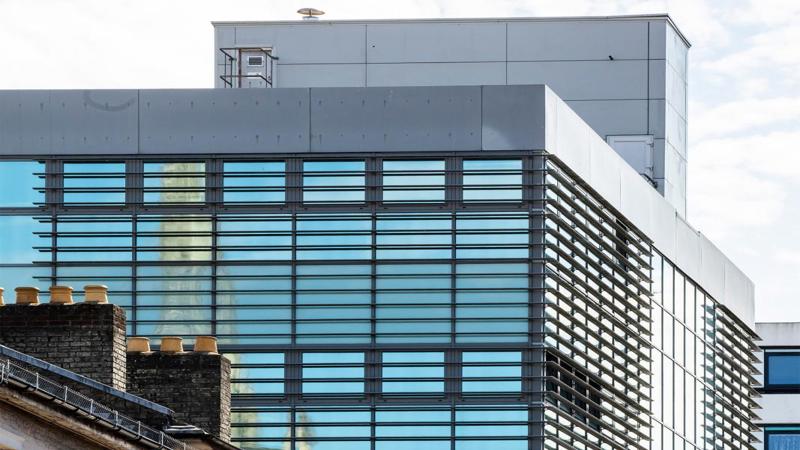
(320, 75)
(433, 74)
(577, 40)
(658, 37)
(224, 120)
(307, 44)
(677, 52)
(94, 122)
(585, 80)
(436, 42)
(25, 122)
(657, 80)
(396, 119)
(609, 117)
(513, 118)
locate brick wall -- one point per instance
(195, 385)
(86, 338)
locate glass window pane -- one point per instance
(94, 183)
(12, 277)
(19, 184)
(498, 235)
(406, 236)
(783, 369)
(333, 373)
(413, 372)
(175, 182)
(333, 181)
(782, 438)
(413, 181)
(94, 238)
(254, 182)
(493, 180)
(257, 373)
(19, 238)
(332, 237)
(492, 302)
(248, 238)
(174, 238)
(485, 372)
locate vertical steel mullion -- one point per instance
(374, 195)
(134, 171)
(453, 372)
(294, 195)
(293, 374)
(214, 180)
(374, 374)
(54, 198)
(536, 385)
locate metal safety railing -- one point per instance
(14, 374)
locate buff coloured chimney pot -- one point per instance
(27, 295)
(205, 344)
(61, 295)
(95, 293)
(1, 297)
(171, 344)
(138, 345)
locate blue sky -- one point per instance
(744, 91)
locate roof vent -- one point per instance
(310, 13)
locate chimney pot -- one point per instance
(138, 345)
(1, 297)
(96, 293)
(27, 295)
(205, 344)
(172, 344)
(61, 295)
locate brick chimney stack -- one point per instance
(86, 338)
(196, 385)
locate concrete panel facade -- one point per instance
(629, 73)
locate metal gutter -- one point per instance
(64, 373)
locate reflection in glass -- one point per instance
(254, 182)
(493, 180)
(413, 181)
(19, 184)
(94, 183)
(19, 238)
(333, 181)
(175, 182)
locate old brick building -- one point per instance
(67, 381)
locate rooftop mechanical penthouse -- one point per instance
(387, 268)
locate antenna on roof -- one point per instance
(310, 13)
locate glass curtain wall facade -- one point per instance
(384, 302)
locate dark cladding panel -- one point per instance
(513, 117)
(396, 119)
(224, 121)
(94, 122)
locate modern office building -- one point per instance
(461, 262)
(779, 404)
